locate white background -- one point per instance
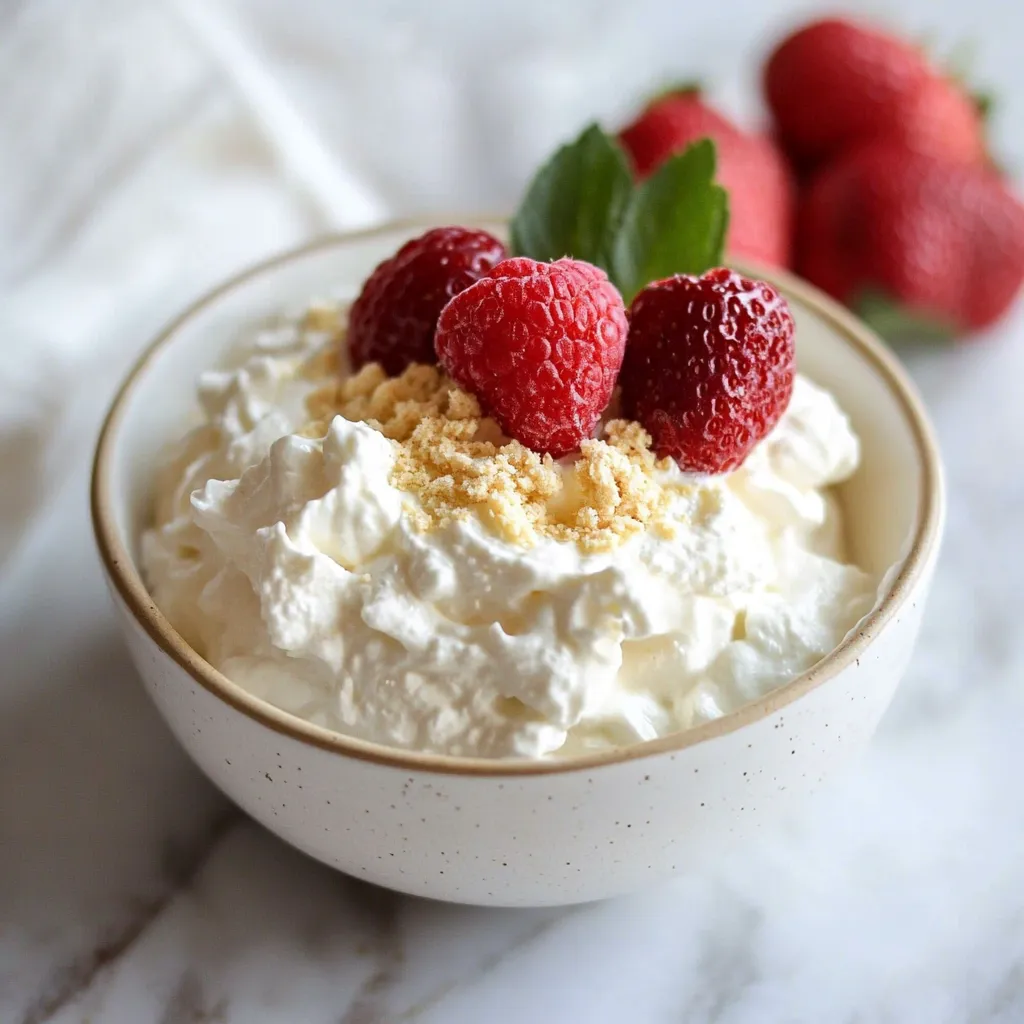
(147, 149)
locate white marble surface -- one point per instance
(130, 892)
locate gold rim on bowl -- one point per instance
(124, 576)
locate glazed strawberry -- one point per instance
(540, 345)
(750, 167)
(393, 320)
(836, 84)
(942, 243)
(709, 366)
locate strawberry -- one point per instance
(943, 120)
(750, 167)
(709, 366)
(540, 345)
(943, 242)
(835, 84)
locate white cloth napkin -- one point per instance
(132, 178)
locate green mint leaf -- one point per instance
(574, 205)
(675, 222)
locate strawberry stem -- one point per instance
(691, 87)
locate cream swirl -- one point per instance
(298, 567)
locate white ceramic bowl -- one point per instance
(542, 832)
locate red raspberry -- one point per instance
(393, 320)
(709, 366)
(540, 345)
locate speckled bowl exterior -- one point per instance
(525, 833)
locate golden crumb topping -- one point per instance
(324, 318)
(457, 462)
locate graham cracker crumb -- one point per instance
(620, 492)
(323, 364)
(457, 462)
(323, 318)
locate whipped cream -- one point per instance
(284, 552)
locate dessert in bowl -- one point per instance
(522, 809)
(375, 555)
(501, 575)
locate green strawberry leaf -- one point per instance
(675, 222)
(898, 324)
(984, 103)
(575, 202)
